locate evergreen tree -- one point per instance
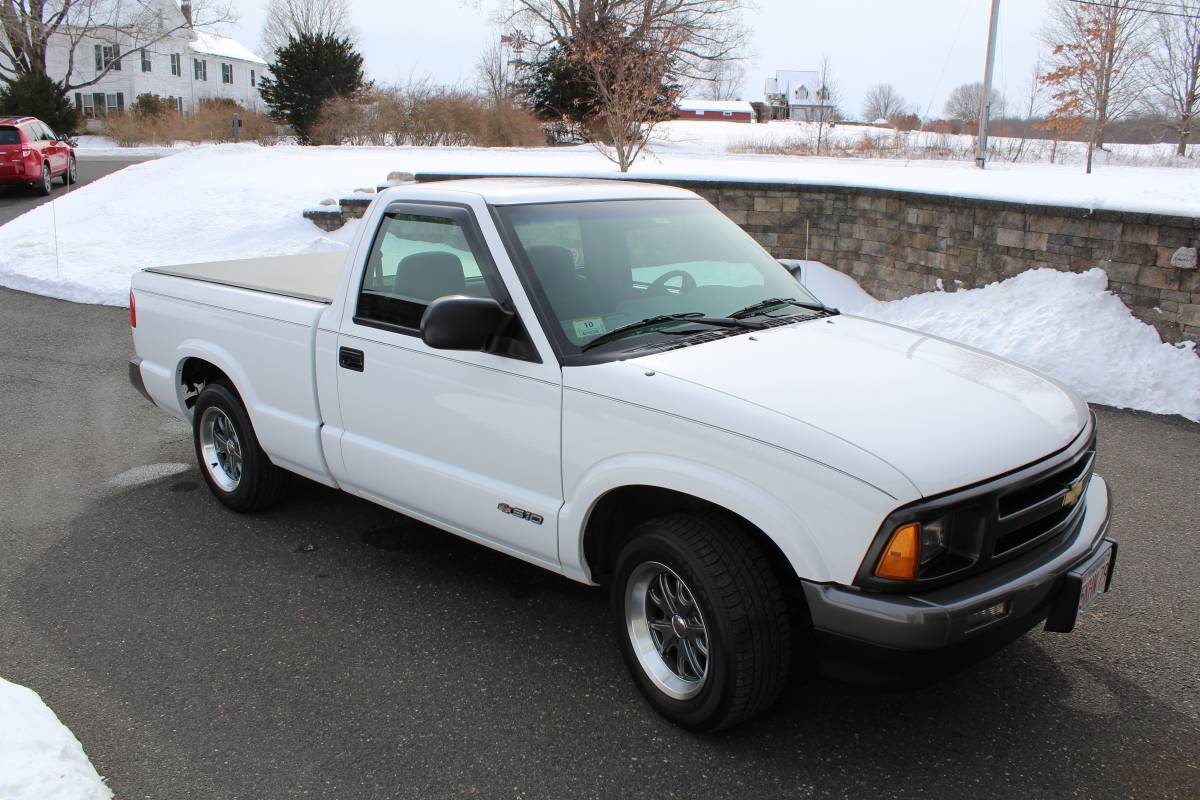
(33, 94)
(308, 70)
(559, 88)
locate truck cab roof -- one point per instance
(503, 191)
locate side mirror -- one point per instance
(456, 322)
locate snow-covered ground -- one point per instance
(92, 146)
(723, 137)
(236, 201)
(39, 758)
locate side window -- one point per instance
(414, 260)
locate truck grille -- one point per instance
(1043, 508)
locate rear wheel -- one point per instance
(46, 186)
(233, 463)
(701, 620)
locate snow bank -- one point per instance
(1066, 325)
(39, 758)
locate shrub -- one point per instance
(36, 95)
(423, 116)
(212, 122)
(152, 106)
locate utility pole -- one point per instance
(985, 103)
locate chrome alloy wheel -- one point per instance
(47, 186)
(667, 630)
(72, 170)
(221, 448)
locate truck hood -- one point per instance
(942, 414)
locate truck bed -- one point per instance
(306, 277)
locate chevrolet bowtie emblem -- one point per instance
(1072, 495)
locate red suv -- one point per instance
(31, 154)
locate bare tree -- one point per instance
(288, 18)
(28, 28)
(723, 80)
(1035, 89)
(966, 101)
(883, 102)
(496, 72)
(1095, 65)
(826, 110)
(1173, 67)
(637, 54)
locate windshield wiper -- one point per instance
(754, 308)
(687, 316)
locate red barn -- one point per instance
(715, 110)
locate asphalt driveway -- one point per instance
(16, 200)
(331, 649)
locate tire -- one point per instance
(231, 460)
(46, 185)
(736, 603)
(72, 174)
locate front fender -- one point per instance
(733, 493)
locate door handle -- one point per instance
(351, 359)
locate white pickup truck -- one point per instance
(613, 381)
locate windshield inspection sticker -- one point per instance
(588, 327)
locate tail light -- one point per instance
(132, 310)
(26, 152)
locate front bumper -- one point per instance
(861, 632)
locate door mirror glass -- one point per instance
(457, 322)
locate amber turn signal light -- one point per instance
(902, 554)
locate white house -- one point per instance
(796, 94)
(184, 64)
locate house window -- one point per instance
(176, 68)
(200, 68)
(146, 65)
(253, 78)
(802, 93)
(115, 103)
(727, 113)
(106, 56)
(699, 113)
(86, 104)
(179, 104)
(227, 73)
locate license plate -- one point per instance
(1094, 581)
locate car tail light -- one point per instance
(132, 310)
(26, 152)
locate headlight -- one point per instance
(934, 541)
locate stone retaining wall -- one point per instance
(901, 243)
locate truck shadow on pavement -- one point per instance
(334, 648)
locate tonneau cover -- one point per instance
(312, 276)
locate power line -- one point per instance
(1158, 12)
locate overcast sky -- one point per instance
(923, 47)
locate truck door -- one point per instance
(466, 440)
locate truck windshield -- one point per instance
(603, 265)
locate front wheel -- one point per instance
(72, 174)
(233, 463)
(701, 620)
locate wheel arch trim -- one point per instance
(727, 491)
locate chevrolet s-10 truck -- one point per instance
(613, 381)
